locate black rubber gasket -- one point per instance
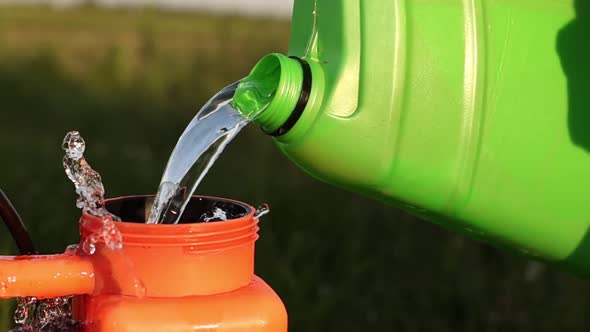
(301, 103)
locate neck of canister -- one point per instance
(173, 260)
(276, 93)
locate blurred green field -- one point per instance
(130, 80)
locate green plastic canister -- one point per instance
(473, 114)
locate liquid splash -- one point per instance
(47, 315)
(55, 314)
(23, 310)
(87, 181)
(216, 215)
(90, 190)
(262, 210)
(88, 184)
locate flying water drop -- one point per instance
(90, 190)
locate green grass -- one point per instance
(130, 81)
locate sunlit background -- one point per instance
(275, 8)
(130, 75)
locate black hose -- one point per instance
(15, 226)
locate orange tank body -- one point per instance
(254, 307)
(195, 276)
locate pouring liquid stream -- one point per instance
(197, 149)
(205, 138)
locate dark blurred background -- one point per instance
(130, 80)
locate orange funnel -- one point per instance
(192, 275)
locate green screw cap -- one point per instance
(269, 94)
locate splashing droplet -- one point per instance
(110, 234)
(88, 182)
(52, 314)
(72, 248)
(262, 210)
(216, 215)
(89, 244)
(90, 190)
(25, 305)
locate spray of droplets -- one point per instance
(90, 192)
(55, 314)
(87, 181)
(216, 215)
(262, 210)
(47, 315)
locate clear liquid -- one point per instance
(90, 190)
(88, 182)
(199, 146)
(46, 315)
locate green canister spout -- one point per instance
(271, 92)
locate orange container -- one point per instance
(183, 277)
